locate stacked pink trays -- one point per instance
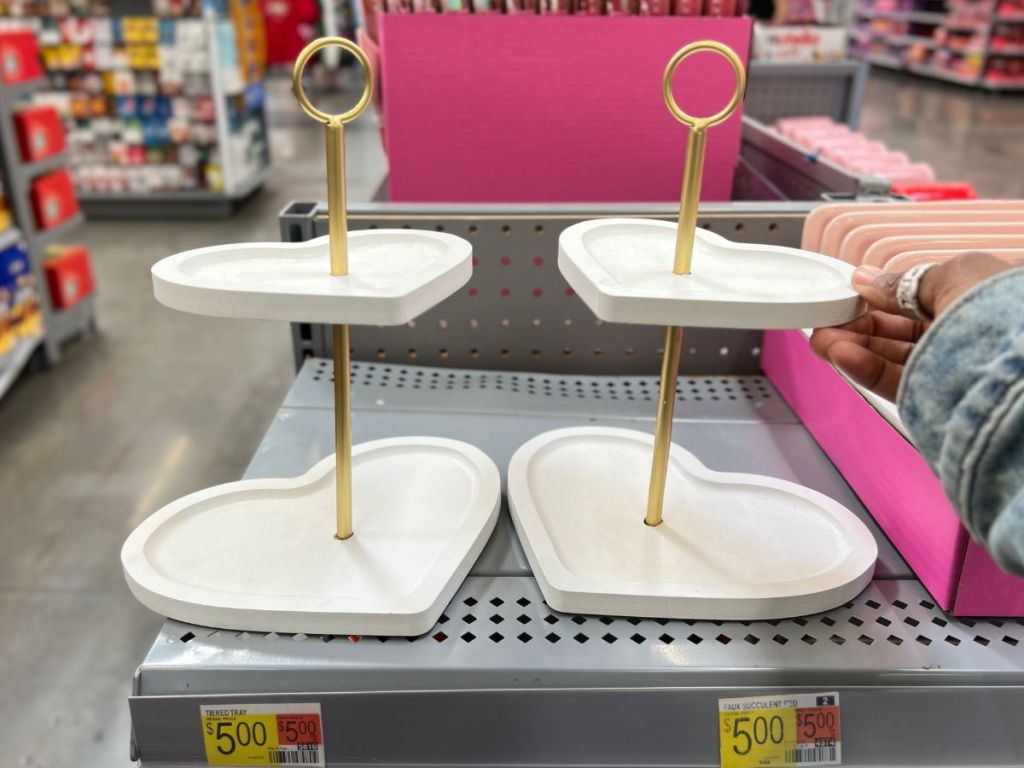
(852, 150)
(863, 439)
(895, 236)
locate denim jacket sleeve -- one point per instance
(962, 400)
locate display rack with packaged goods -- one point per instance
(164, 108)
(976, 43)
(39, 207)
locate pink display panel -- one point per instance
(886, 472)
(495, 108)
(892, 480)
(985, 590)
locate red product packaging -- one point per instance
(719, 7)
(19, 56)
(53, 199)
(687, 7)
(40, 133)
(69, 274)
(620, 7)
(587, 7)
(654, 7)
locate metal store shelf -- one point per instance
(68, 323)
(43, 237)
(46, 165)
(940, 74)
(919, 17)
(786, 89)
(889, 62)
(195, 203)
(502, 679)
(18, 178)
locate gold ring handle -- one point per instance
(703, 123)
(300, 93)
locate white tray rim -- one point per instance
(405, 300)
(410, 614)
(606, 298)
(566, 591)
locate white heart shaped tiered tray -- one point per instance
(285, 555)
(698, 544)
(261, 554)
(394, 276)
(622, 269)
(731, 545)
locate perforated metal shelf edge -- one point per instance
(503, 680)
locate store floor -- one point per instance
(965, 135)
(162, 403)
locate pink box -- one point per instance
(551, 109)
(892, 480)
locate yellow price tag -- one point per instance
(263, 734)
(784, 730)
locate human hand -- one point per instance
(873, 349)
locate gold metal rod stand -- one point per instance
(337, 213)
(337, 220)
(342, 431)
(689, 201)
(663, 432)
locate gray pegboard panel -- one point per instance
(424, 388)
(518, 313)
(783, 89)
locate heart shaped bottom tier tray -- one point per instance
(730, 547)
(261, 555)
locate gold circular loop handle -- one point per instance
(300, 93)
(702, 123)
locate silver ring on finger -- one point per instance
(907, 289)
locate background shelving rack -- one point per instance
(239, 183)
(59, 325)
(242, 171)
(898, 43)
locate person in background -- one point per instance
(772, 11)
(945, 342)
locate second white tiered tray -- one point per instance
(622, 269)
(261, 554)
(731, 546)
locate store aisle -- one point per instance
(162, 403)
(966, 134)
(159, 404)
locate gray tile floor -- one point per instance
(163, 403)
(965, 135)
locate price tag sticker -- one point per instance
(263, 734)
(784, 730)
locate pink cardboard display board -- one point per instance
(495, 108)
(892, 480)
